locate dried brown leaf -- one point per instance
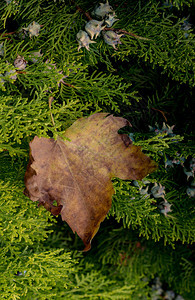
(77, 172)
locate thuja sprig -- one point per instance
(93, 28)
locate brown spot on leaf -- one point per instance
(126, 140)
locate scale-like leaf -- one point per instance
(77, 172)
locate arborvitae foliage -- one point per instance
(143, 249)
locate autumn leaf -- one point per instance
(77, 171)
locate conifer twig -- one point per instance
(84, 12)
(50, 102)
(160, 112)
(7, 33)
(68, 84)
(126, 32)
(81, 10)
(12, 32)
(110, 28)
(21, 72)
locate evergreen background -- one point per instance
(139, 251)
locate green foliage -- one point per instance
(41, 272)
(180, 3)
(135, 258)
(23, 229)
(23, 118)
(167, 46)
(148, 80)
(137, 207)
(139, 212)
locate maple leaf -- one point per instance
(77, 172)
